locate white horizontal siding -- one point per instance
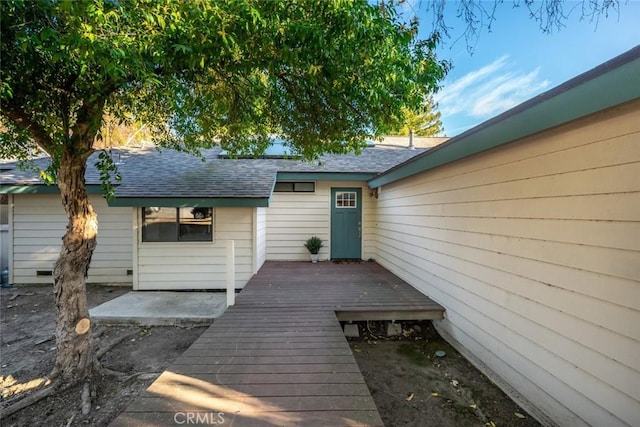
(199, 265)
(368, 224)
(39, 222)
(534, 251)
(294, 217)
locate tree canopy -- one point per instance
(425, 121)
(476, 16)
(324, 75)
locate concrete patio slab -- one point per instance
(161, 308)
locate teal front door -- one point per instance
(346, 223)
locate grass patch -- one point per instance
(414, 355)
(430, 348)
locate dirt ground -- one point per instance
(27, 352)
(410, 386)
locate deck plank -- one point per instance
(279, 356)
(307, 419)
(253, 404)
(175, 387)
(218, 352)
(329, 377)
(293, 345)
(264, 360)
(291, 368)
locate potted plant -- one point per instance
(313, 245)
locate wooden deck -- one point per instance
(279, 356)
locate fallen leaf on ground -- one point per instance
(473, 406)
(409, 398)
(519, 415)
(434, 394)
(454, 383)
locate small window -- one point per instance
(346, 199)
(177, 224)
(295, 187)
(4, 209)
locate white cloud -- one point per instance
(489, 90)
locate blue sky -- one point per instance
(517, 61)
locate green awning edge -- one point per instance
(42, 189)
(324, 176)
(189, 202)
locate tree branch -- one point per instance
(284, 78)
(88, 123)
(29, 400)
(36, 132)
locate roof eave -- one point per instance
(190, 202)
(612, 83)
(31, 188)
(325, 176)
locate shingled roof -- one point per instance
(170, 173)
(12, 174)
(148, 173)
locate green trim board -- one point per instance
(186, 202)
(612, 83)
(324, 176)
(43, 189)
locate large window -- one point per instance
(177, 224)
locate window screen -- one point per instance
(177, 224)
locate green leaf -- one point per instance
(324, 76)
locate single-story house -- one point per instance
(525, 228)
(173, 213)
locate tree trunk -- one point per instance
(76, 359)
